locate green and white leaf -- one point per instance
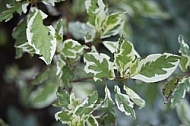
(71, 48)
(90, 36)
(60, 63)
(184, 48)
(135, 97)
(66, 77)
(183, 112)
(44, 95)
(88, 105)
(170, 87)
(124, 56)
(91, 121)
(97, 13)
(180, 91)
(60, 29)
(21, 44)
(134, 69)
(123, 102)
(185, 54)
(63, 97)
(41, 37)
(74, 102)
(82, 89)
(108, 95)
(113, 24)
(157, 67)
(184, 62)
(99, 65)
(110, 45)
(108, 109)
(64, 116)
(11, 8)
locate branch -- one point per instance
(82, 79)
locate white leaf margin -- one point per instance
(120, 106)
(112, 47)
(50, 98)
(100, 57)
(134, 97)
(29, 34)
(154, 57)
(74, 43)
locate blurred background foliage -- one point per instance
(152, 25)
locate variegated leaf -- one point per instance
(96, 11)
(113, 24)
(157, 67)
(11, 8)
(180, 91)
(41, 37)
(71, 49)
(185, 54)
(44, 95)
(91, 121)
(135, 97)
(124, 56)
(183, 112)
(123, 102)
(99, 65)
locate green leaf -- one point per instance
(124, 56)
(113, 24)
(123, 102)
(184, 62)
(180, 92)
(63, 97)
(108, 118)
(108, 100)
(60, 29)
(19, 33)
(21, 44)
(60, 64)
(185, 54)
(183, 112)
(8, 13)
(71, 49)
(74, 102)
(134, 69)
(88, 105)
(134, 97)
(99, 65)
(184, 48)
(157, 67)
(170, 87)
(96, 11)
(40, 37)
(67, 77)
(44, 95)
(82, 89)
(49, 73)
(64, 116)
(91, 121)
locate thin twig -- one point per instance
(82, 79)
